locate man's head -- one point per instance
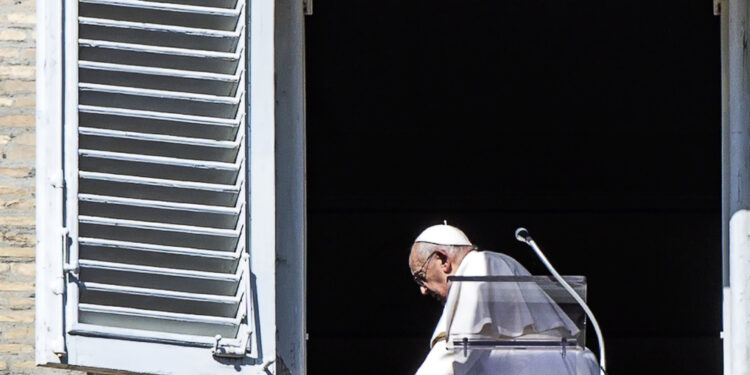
(435, 255)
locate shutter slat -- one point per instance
(157, 56)
(161, 271)
(160, 122)
(161, 156)
(204, 255)
(158, 78)
(160, 233)
(125, 90)
(170, 5)
(162, 182)
(205, 3)
(205, 56)
(159, 166)
(157, 321)
(159, 145)
(158, 255)
(124, 68)
(160, 189)
(163, 13)
(190, 281)
(84, 329)
(160, 160)
(183, 207)
(165, 212)
(187, 141)
(229, 300)
(224, 233)
(163, 116)
(160, 35)
(160, 300)
(160, 100)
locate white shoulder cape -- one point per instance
(505, 309)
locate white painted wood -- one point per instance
(160, 160)
(262, 175)
(162, 182)
(125, 313)
(70, 167)
(151, 358)
(161, 271)
(161, 93)
(49, 329)
(171, 6)
(158, 56)
(739, 293)
(99, 242)
(160, 204)
(170, 36)
(188, 141)
(160, 50)
(117, 333)
(160, 27)
(726, 334)
(205, 120)
(164, 13)
(158, 71)
(161, 226)
(164, 293)
(158, 321)
(152, 152)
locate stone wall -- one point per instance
(17, 150)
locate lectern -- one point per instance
(519, 325)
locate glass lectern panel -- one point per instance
(515, 312)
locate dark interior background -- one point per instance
(595, 124)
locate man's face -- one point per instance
(430, 271)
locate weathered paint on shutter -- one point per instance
(160, 203)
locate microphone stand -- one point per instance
(523, 235)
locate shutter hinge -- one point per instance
(67, 266)
(307, 6)
(231, 351)
(717, 7)
(58, 348)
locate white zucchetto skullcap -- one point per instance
(444, 234)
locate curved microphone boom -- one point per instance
(523, 235)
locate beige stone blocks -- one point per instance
(21, 253)
(17, 120)
(17, 180)
(13, 34)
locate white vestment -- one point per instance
(502, 311)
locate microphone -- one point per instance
(523, 235)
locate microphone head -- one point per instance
(523, 235)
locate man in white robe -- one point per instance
(482, 310)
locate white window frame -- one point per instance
(55, 348)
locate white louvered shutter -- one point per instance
(157, 259)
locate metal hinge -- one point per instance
(307, 5)
(231, 351)
(717, 7)
(58, 348)
(68, 267)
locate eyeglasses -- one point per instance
(420, 277)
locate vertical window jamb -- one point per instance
(261, 174)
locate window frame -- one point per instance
(56, 64)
